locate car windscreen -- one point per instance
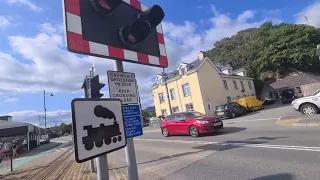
(221, 107)
(315, 93)
(193, 114)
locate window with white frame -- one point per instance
(249, 84)
(175, 109)
(225, 84)
(161, 98)
(242, 86)
(235, 85)
(172, 94)
(186, 90)
(189, 107)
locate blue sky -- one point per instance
(33, 57)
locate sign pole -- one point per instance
(129, 149)
(102, 167)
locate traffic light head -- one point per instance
(133, 34)
(95, 87)
(123, 30)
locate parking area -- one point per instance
(270, 111)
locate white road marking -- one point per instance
(252, 120)
(158, 130)
(267, 146)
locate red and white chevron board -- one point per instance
(76, 42)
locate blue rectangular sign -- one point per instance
(132, 120)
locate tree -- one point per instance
(270, 51)
(290, 47)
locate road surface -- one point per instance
(246, 149)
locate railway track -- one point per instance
(53, 170)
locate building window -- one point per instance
(228, 99)
(183, 71)
(175, 109)
(225, 84)
(186, 90)
(209, 107)
(161, 98)
(249, 84)
(172, 94)
(189, 107)
(164, 112)
(242, 86)
(235, 85)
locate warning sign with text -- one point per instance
(123, 85)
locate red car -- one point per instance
(193, 123)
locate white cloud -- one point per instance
(47, 65)
(28, 3)
(245, 16)
(11, 100)
(4, 21)
(312, 13)
(32, 117)
(191, 39)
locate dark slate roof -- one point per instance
(292, 81)
(10, 124)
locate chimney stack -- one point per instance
(201, 55)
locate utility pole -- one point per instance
(306, 18)
(165, 83)
(87, 94)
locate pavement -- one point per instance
(301, 120)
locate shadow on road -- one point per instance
(227, 130)
(227, 145)
(281, 176)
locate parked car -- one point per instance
(230, 110)
(268, 101)
(308, 105)
(251, 103)
(287, 96)
(192, 123)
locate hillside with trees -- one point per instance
(271, 51)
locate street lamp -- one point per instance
(45, 109)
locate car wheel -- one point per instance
(309, 109)
(233, 115)
(165, 132)
(252, 109)
(194, 132)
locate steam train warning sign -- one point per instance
(98, 127)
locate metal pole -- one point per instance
(45, 111)
(92, 170)
(102, 168)
(129, 149)
(165, 83)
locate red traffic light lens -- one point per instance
(105, 7)
(135, 33)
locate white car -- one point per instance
(308, 105)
